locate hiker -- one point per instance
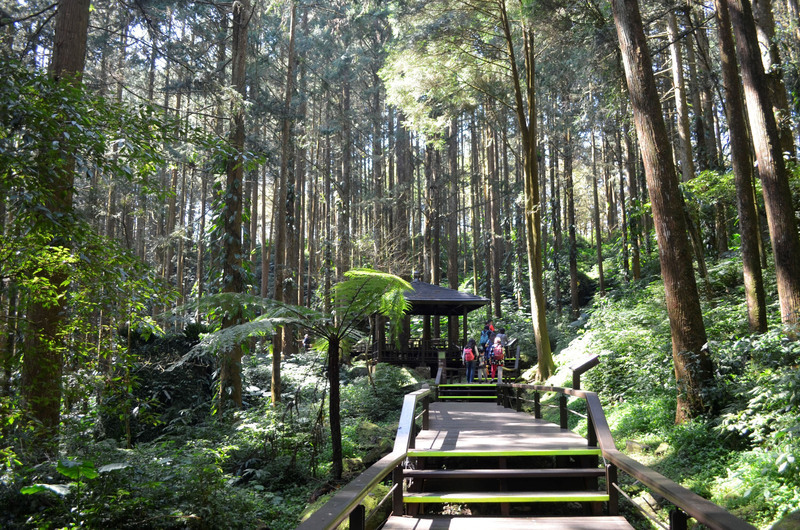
(468, 357)
(503, 337)
(487, 338)
(496, 357)
(481, 369)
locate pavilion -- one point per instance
(428, 300)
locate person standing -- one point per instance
(487, 338)
(468, 357)
(501, 333)
(495, 357)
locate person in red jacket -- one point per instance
(469, 356)
(496, 357)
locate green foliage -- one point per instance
(746, 458)
(711, 186)
(630, 331)
(381, 402)
(767, 416)
(155, 486)
(41, 120)
(760, 486)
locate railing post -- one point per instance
(591, 434)
(613, 494)
(397, 495)
(517, 399)
(678, 520)
(537, 406)
(562, 407)
(426, 408)
(506, 397)
(358, 518)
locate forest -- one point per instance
(188, 188)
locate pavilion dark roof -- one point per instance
(429, 299)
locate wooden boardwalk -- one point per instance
(471, 446)
(486, 427)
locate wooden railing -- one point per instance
(347, 503)
(687, 503)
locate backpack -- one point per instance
(468, 355)
(484, 337)
(497, 352)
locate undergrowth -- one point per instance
(745, 454)
(255, 468)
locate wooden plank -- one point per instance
(511, 496)
(428, 474)
(482, 427)
(469, 397)
(468, 385)
(506, 523)
(549, 451)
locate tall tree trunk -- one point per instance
(282, 193)
(533, 219)
(327, 249)
(611, 202)
(693, 369)
(42, 363)
(597, 229)
(569, 191)
(477, 262)
(633, 218)
(493, 219)
(430, 213)
(555, 214)
(291, 162)
(771, 167)
(681, 105)
(695, 85)
(771, 59)
(377, 164)
(345, 185)
(452, 221)
(230, 387)
(743, 177)
(201, 236)
(400, 228)
(623, 208)
(334, 409)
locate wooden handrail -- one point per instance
(581, 366)
(338, 508)
(703, 510)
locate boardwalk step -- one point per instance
(468, 385)
(506, 523)
(494, 497)
(572, 451)
(484, 396)
(502, 473)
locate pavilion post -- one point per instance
(464, 338)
